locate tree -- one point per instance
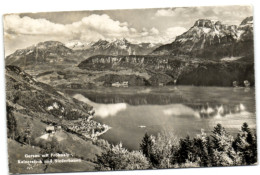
(119, 158)
(245, 145)
(146, 146)
(202, 150)
(136, 161)
(223, 152)
(28, 132)
(158, 150)
(11, 122)
(184, 152)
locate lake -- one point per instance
(183, 110)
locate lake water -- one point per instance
(183, 110)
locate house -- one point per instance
(160, 84)
(50, 129)
(116, 84)
(74, 86)
(125, 84)
(247, 83)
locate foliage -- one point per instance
(102, 143)
(164, 151)
(194, 150)
(11, 122)
(223, 152)
(218, 149)
(119, 158)
(158, 149)
(245, 145)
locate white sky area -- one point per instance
(137, 25)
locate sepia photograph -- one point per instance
(130, 89)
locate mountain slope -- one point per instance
(44, 53)
(36, 97)
(212, 39)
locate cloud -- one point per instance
(226, 14)
(177, 12)
(175, 31)
(164, 12)
(154, 36)
(14, 24)
(103, 24)
(28, 31)
(154, 31)
(93, 26)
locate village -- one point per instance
(86, 127)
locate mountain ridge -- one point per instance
(212, 39)
(117, 47)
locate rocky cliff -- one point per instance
(168, 70)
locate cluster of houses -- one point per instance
(88, 128)
(118, 84)
(125, 84)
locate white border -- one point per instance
(17, 6)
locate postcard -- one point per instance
(131, 89)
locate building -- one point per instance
(50, 129)
(247, 83)
(160, 84)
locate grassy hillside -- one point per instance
(32, 107)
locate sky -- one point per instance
(136, 25)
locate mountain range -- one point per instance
(208, 47)
(212, 39)
(113, 47)
(55, 53)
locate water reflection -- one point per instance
(131, 112)
(102, 110)
(193, 110)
